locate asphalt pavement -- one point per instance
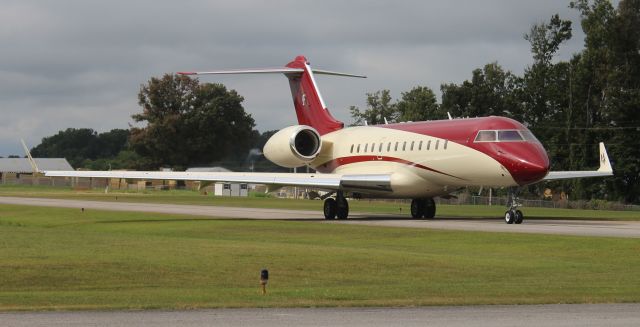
(566, 315)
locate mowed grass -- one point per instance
(65, 259)
(361, 206)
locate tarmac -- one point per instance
(539, 226)
(565, 315)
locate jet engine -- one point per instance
(293, 146)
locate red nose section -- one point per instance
(527, 163)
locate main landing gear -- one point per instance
(336, 207)
(513, 214)
(339, 207)
(423, 208)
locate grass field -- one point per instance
(366, 206)
(63, 259)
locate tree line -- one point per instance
(569, 105)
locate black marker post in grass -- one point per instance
(264, 278)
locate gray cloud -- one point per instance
(80, 63)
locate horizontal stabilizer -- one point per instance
(605, 169)
(284, 70)
(328, 72)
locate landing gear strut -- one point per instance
(336, 207)
(423, 208)
(513, 214)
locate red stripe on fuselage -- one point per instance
(331, 165)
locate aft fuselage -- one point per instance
(434, 158)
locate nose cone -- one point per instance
(529, 164)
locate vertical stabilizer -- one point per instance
(310, 107)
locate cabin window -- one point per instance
(366, 147)
(420, 146)
(437, 142)
(509, 136)
(412, 143)
(351, 148)
(373, 146)
(404, 145)
(389, 147)
(486, 136)
(528, 136)
(380, 147)
(396, 147)
(429, 145)
(358, 149)
(445, 144)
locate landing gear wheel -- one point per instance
(417, 208)
(509, 217)
(429, 208)
(518, 217)
(343, 208)
(330, 208)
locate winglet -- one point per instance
(34, 166)
(605, 164)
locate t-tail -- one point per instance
(307, 100)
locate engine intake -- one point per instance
(293, 146)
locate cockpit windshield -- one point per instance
(505, 135)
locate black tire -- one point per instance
(429, 208)
(509, 217)
(519, 217)
(330, 208)
(417, 208)
(343, 209)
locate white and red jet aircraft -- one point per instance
(413, 160)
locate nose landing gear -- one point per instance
(513, 214)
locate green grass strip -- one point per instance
(64, 259)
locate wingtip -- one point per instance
(186, 73)
(605, 163)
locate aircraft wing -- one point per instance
(604, 170)
(377, 182)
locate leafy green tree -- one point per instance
(188, 123)
(379, 108)
(491, 91)
(80, 144)
(418, 104)
(609, 96)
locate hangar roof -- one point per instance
(22, 165)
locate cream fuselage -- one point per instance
(420, 165)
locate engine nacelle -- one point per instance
(293, 146)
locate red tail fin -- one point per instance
(310, 107)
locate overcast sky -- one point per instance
(81, 63)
